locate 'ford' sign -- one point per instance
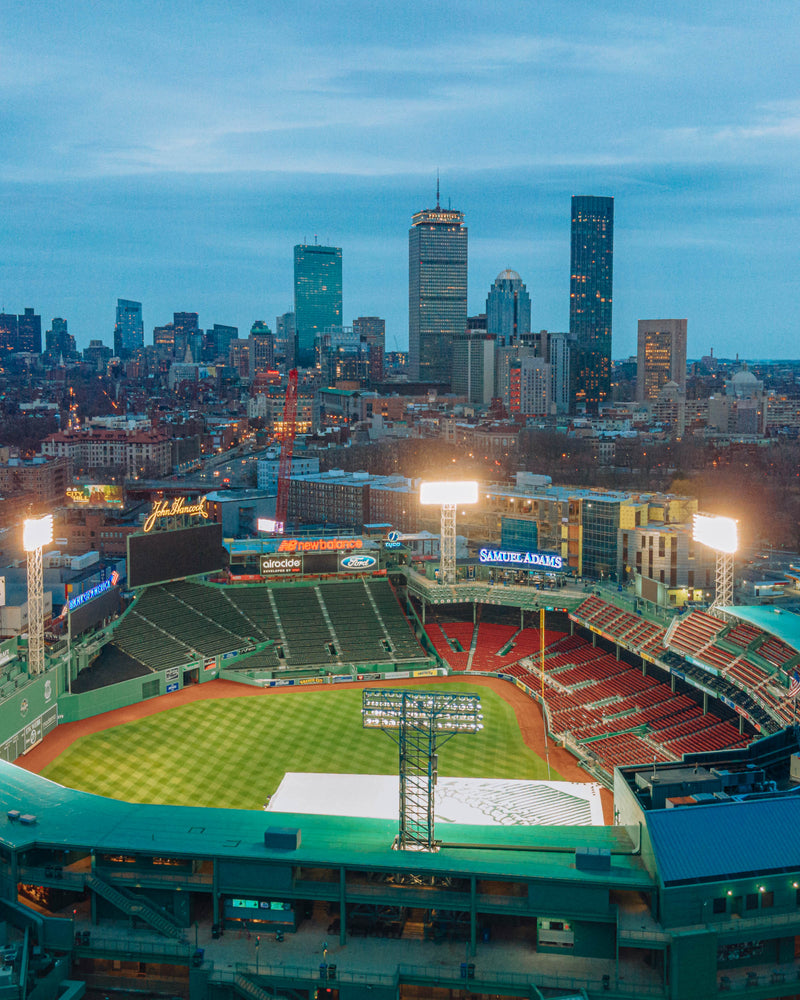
(359, 562)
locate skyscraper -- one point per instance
(129, 328)
(660, 356)
(372, 329)
(286, 338)
(473, 366)
(508, 308)
(591, 281)
(262, 348)
(317, 295)
(29, 332)
(437, 290)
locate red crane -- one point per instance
(287, 447)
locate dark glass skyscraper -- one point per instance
(29, 332)
(317, 295)
(590, 293)
(129, 328)
(437, 291)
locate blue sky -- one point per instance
(175, 153)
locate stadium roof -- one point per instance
(764, 841)
(777, 621)
(66, 817)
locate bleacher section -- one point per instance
(12, 677)
(495, 646)
(331, 626)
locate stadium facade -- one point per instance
(210, 903)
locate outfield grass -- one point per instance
(233, 752)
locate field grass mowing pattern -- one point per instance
(234, 752)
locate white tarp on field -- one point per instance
(479, 801)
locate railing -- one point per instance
(132, 947)
(454, 976)
(63, 878)
(761, 983)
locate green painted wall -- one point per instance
(693, 966)
(550, 899)
(593, 940)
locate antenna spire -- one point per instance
(437, 187)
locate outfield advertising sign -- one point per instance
(281, 565)
(521, 560)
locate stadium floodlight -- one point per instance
(37, 532)
(721, 535)
(718, 533)
(448, 495)
(420, 722)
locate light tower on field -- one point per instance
(448, 496)
(721, 535)
(37, 532)
(420, 722)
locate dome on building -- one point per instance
(743, 384)
(508, 275)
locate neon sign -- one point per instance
(89, 595)
(319, 544)
(500, 557)
(177, 508)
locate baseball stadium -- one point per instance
(569, 796)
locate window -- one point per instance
(720, 905)
(751, 901)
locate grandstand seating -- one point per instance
(742, 635)
(694, 632)
(617, 713)
(776, 652)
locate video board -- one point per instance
(172, 555)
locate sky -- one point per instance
(174, 153)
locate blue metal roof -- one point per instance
(783, 624)
(705, 843)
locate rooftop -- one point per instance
(67, 817)
(777, 621)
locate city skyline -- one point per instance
(124, 178)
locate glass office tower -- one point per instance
(317, 295)
(591, 279)
(437, 291)
(508, 308)
(129, 328)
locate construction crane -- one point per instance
(287, 447)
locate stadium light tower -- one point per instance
(420, 722)
(36, 533)
(448, 496)
(721, 535)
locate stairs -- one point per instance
(133, 906)
(381, 622)
(246, 988)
